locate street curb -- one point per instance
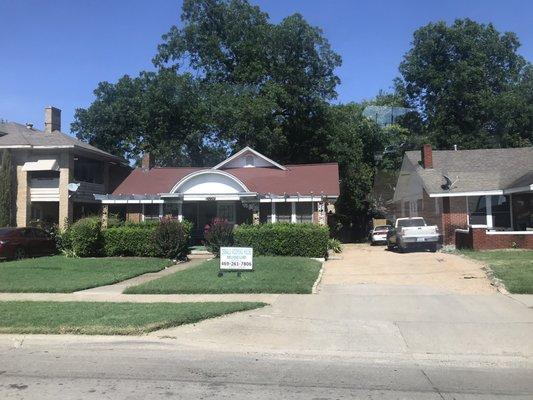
(318, 279)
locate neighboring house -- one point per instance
(479, 199)
(245, 188)
(57, 175)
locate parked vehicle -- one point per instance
(413, 233)
(18, 243)
(378, 235)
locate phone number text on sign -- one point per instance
(236, 258)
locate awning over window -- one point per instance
(41, 165)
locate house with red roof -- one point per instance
(248, 187)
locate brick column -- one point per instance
(23, 202)
(105, 215)
(66, 162)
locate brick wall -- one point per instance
(480, 239)
(134, 212)
(454, 216)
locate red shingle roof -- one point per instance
(297, 179)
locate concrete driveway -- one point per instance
(374, 304)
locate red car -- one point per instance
(18, 243)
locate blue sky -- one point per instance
(55, 52)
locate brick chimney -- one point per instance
(427, 156)
(147, 162)
(52, 119)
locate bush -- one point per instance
(171, 239)
(129, 241)
(86, 237)
(284, 239)
(218, 234)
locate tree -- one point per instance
(6, 190)
(469, 84)
(267, 84)
(354, 140)
(162, 113)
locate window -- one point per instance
(283, 212)
(501, 212)
(171, 209)
(86, 170)
(304, 212)
(151, 212)
(477, 208)
(226, 211)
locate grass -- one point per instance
(513, 267)
(270, 275)
(37, 317)
(58, 274)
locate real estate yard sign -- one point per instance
(236, 258)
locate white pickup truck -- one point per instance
(411, 233)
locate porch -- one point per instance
(497, 222)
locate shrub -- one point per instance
(171, 239)
(218, 234)
(86, 237)
(284, 239)
(129, 241)
(334, 245)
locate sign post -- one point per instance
(236, 259)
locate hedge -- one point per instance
(284, 239)
(129, 241)
(86, 238)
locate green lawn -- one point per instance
(270, 275)
(513, 267)
(64, 275)
(107, 318)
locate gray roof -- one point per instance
(14, 135)
(476, 170)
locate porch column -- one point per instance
(105, 215)
(322, 213)
(293, 212)
(180, 211)
(160, 210)
(142, 212)
(273, 216)
(488, 203)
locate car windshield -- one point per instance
(405, 223)
(5, 231)
(382, 228)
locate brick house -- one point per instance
(56, 175)
(479, 199)
(245, 188)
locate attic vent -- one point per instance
(249, 161)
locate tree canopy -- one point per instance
(469, 84)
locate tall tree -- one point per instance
(465, 80)
(268, 84)
(163, 113)
(6, 190)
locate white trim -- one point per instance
(480, 193)
(467, 211)
(142, 213)
(132, 201)
(207, 171)
(488, 205)
(485, 192)
(478, 226)
(293, 212)
(509, 232)
(297, 199)
(273, 212)
(16, 146)
(462, 230)
(241, 152)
